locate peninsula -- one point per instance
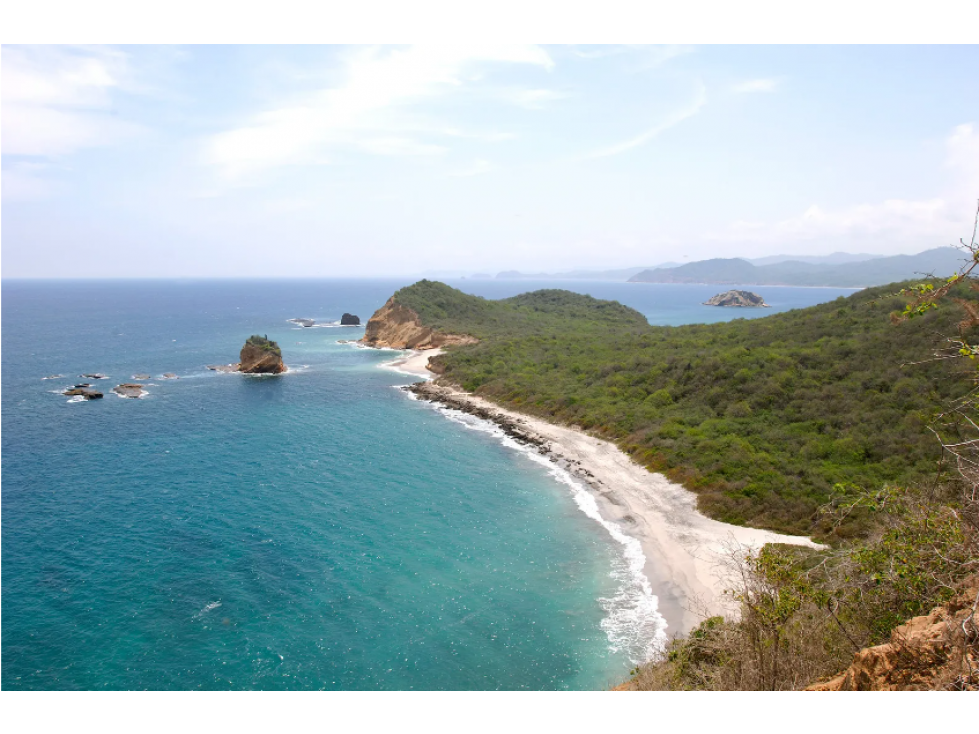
(704, 442)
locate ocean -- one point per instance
(315, 530)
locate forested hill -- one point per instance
(761, 417)
(878, 271)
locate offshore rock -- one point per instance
(129, 390)
(85, 392)
(400, 327)
(303, 322)
(261, 356)
(348, 319)
(737, 299)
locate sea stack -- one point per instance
(348, 319)
(262, 356)
(737, 299)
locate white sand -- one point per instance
(415, 362)
(687, 553)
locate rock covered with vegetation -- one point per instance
(398, 325)
(737, 299)
(260, 355)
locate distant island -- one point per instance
(737, 299)
(863, 274)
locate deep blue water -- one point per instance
(315, 530)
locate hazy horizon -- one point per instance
(397, 162)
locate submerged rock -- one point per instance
(261, 356)
(303, 322)
(349, 319)
(52, 377)
(95, 376)
(85, 392)
(737, 299)
(141, 377)
(222, 367)
(129, 390)
(170, 376)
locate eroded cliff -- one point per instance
(260, 355)
(399, 327)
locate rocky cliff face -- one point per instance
(939, 651)
(399, 327)
(737, 299)
(261, 356)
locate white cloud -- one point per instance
(756, 85)
(364, 112)
(479, 166)
(536, 99)
(640, 57)
(944, 216)
(56, 100)
(671, 120)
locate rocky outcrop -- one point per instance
(140, 376)
(939, 651)
(129, 390)
(349, 319)
(737, 299)
(95, 376)
(84, 392)
(399, 327)
(169, 376)
(303, 322)
(261, 356)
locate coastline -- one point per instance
(415, 363)
(686, 552)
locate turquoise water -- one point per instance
(315, 530)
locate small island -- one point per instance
(261, 356)
(737, 299)
(349, 319)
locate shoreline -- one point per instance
(415, 363)
(685, 551)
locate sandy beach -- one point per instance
(686, 552)
(414, 362)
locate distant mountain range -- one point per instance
(621, 274)
(942, 261)
(616, 275)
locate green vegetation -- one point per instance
(766, 419)
(264, 343)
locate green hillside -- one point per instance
(761, 417)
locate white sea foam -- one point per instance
(207, 608)
(632, 623)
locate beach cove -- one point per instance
(686, 555)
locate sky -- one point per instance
(354, 161)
